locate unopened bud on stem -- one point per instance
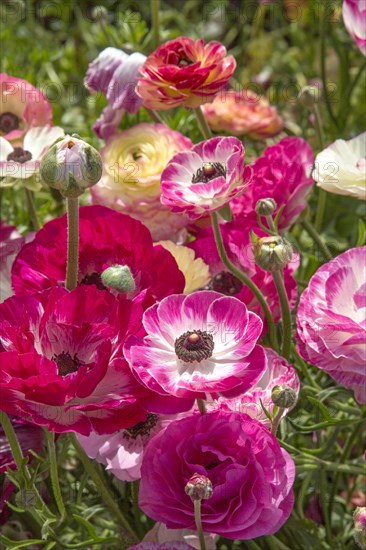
(199, 487)
(309, 96)
(119, 277)
(265, 207)
(272, 253)
(284, 396)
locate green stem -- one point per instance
(201, 405)
(323, 495)
(72, 242)
(154, 115)
(276, 421)
(285, 313)
(322, 194)
(32, 209)
(197, 517)
(155, 4)
(50, 438)
(100, 485)
(317, 239)
(243, 278)
(304, 368)
(202, 123)
(345, 102)
(323, 29)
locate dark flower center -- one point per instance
(142, 428)
(19, 155)
(208, 172)
(194, 345)
(226, 283)
(67, 364)
(8, 122)
(93, 279)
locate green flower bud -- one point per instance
(199, 487)
(99, 13)
(71, 166)
(118, 277)
(272, 253)
(309, 96)
(284, 396)
(265, 207)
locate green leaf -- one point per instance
(323, 409)
(361, 233)
(90, 529)
(14, 544)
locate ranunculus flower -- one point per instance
(354, 17)
(10, 244)
(106, 238)
(283, 173)
(184, 72)
(251, 475)
(63, 365)
(197, 344)
(114, 73)
(206, 178)
(23, 162)
(133, 161)
(341, 167)
(162, 535)
(331, 329)
(243, 114)
(22, 107)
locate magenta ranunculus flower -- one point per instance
(251, 475)
(184, 72)
(331, 320)
(22, 107)
(283, 173)
(114, 73)
(206, 178)
(197, 344)
(354, 17)
(107, 238)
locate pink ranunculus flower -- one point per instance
(197, 344)
(184, 72)
(106, 238)
(160, 534)
(133, 161)
(283, 173)
(243, 114)
(354, 17)
(22, 107)
(331, 330)
(251, 475)
(114, 73)
(10, 244)
(206, 178)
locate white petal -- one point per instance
(38, 139)
(5, 149)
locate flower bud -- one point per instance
(265, 207)
(309, 96)
(272, 253)
(118, 277)
(359, 533)
(71, 165)
(199, 487)
(284, 396)
(99, 13)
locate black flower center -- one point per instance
(93, 279)
(226, 283)
(194, 345)
(19, 155)
(8, 122)
(208, 172)
(66, 364)
(142, 428)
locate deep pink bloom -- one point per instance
(10, 244)
(354, 17)
(197, 344)
(114, 73)
(63, 366)
(106, 238)
(236, 237)
(283, 172)
(206, 178)
(184, 72)
(251, 475)
(22, 106)
(331, 320)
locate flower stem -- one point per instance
(50, 438)
(154, 115)
(317, 239)
(72, 242)
(202, 123)
(322, 194)
(285, 313)
(155, 4)
(323, 29)
(276, 421)
(243, 278)
(197, 517)
(32, 209)
(100, 485)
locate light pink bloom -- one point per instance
(160, 534)
(354, 17)
(331, 320)
(206, 178)
(22, 106)
(197, 344)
